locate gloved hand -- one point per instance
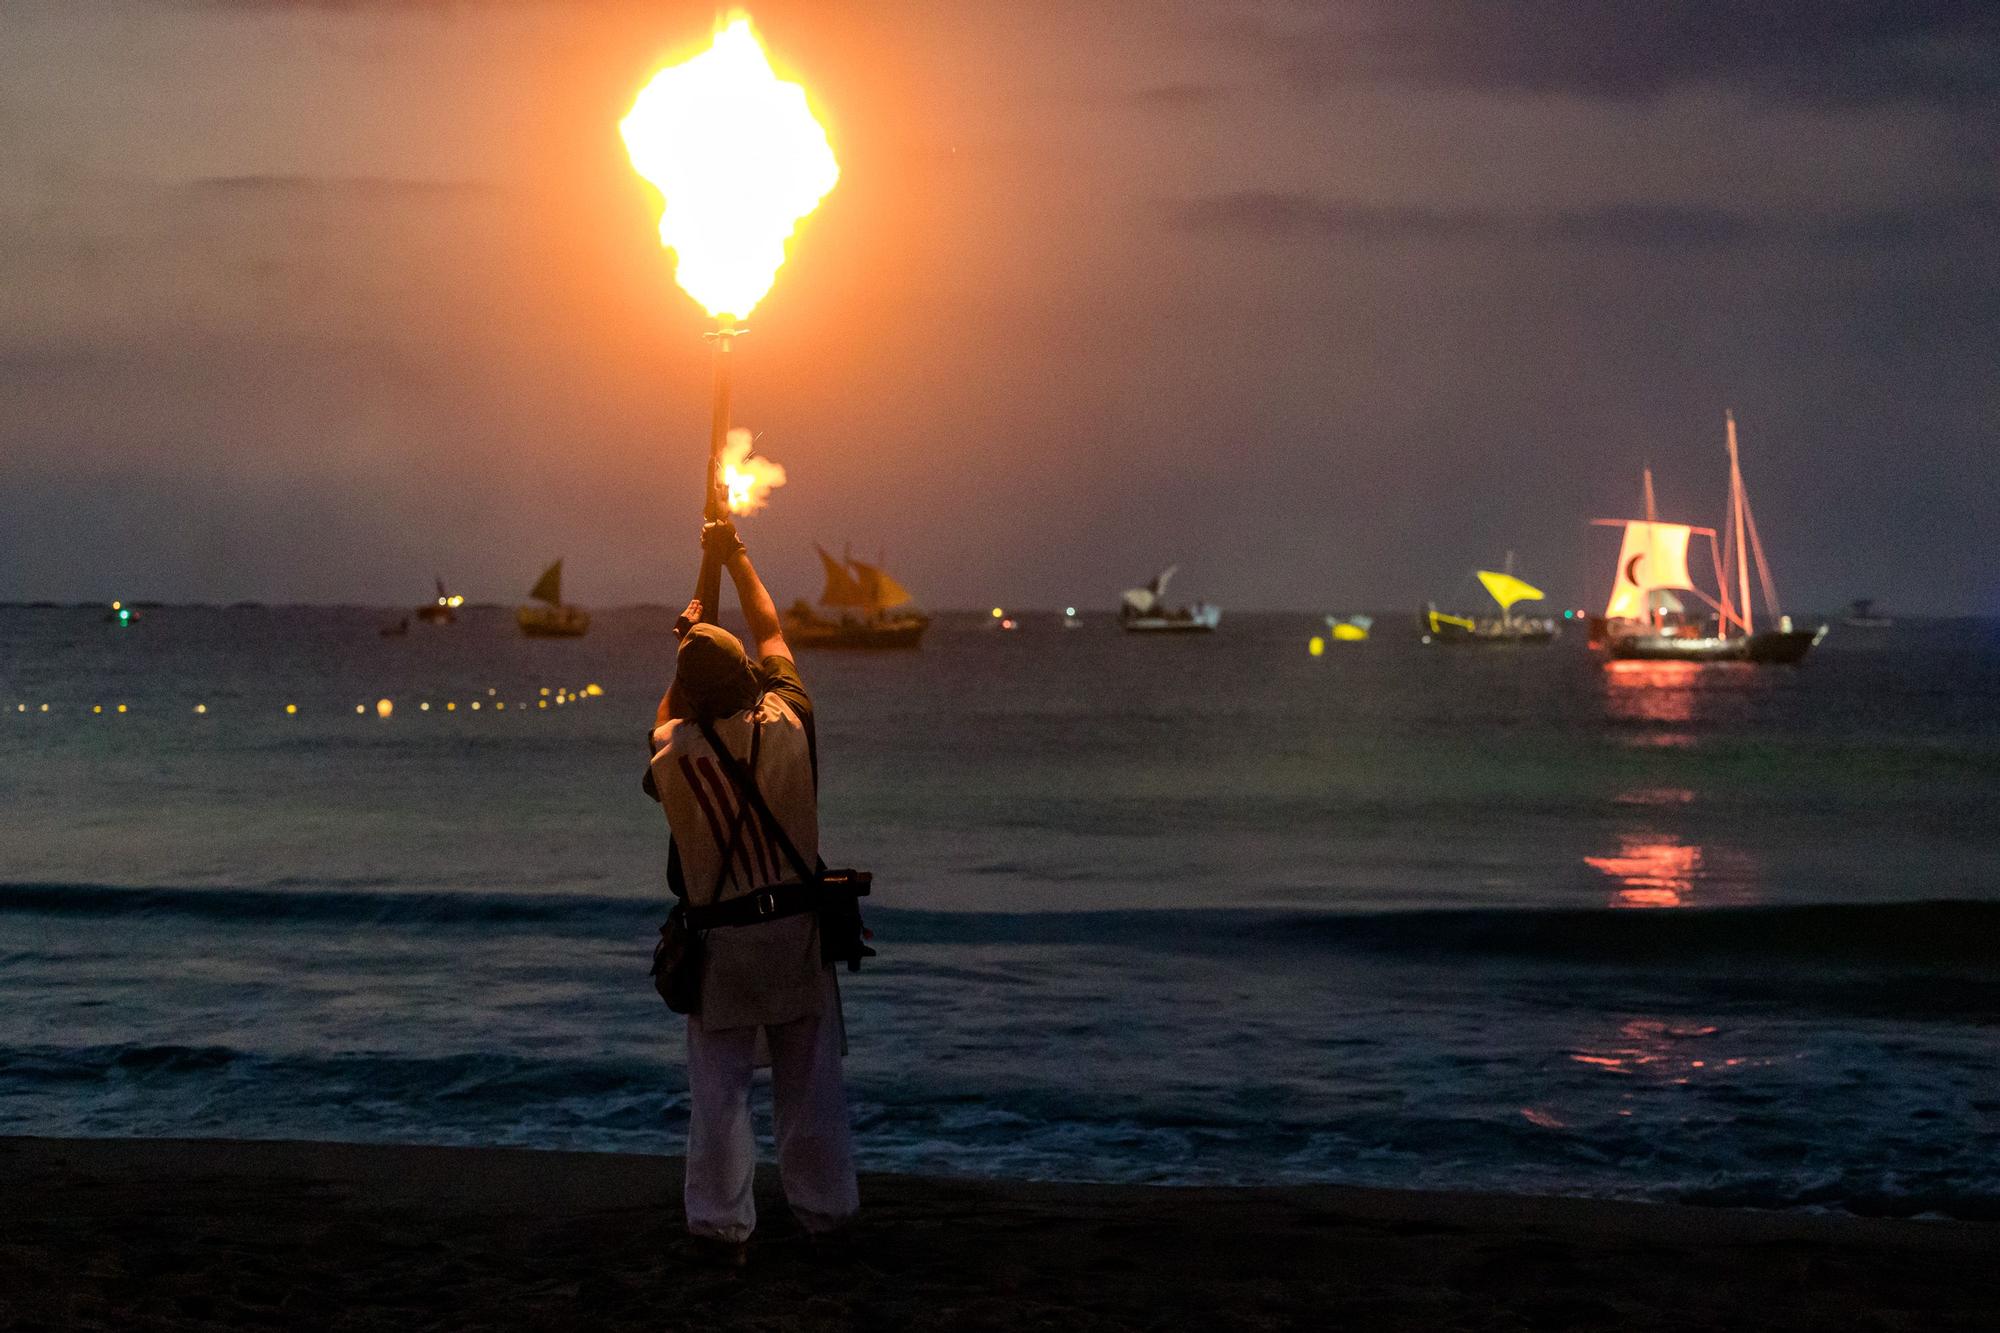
(688, 619)
(719, 539)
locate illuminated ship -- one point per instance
(864, 602)
(545, 616)
(1436, 626)
(1647, 618)
(444, 610)
(1144, 612)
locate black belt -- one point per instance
(772, 904)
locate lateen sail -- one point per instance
(1144, 601)
(1507, 590)
(1653, 558)
(841, 588)
(878, 590)
(548, 588)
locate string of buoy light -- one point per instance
(385, 707)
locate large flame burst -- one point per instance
(750, 479)
(738, 158)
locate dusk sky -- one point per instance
(1327, 302)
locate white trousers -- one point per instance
(809, 1106)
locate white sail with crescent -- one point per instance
(1646, 619)
(1651, 565)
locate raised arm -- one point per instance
(671, 704)
(760, 613)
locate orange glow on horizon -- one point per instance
(738, 158)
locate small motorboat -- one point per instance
(1861, 615)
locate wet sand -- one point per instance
(156, 1234)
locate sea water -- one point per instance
(1203, 909)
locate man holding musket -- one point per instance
(735, 766)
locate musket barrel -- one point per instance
(709, 586)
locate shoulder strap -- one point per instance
(742, 814)
(746, 784)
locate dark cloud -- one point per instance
(1852, 51)
(1180, 96)
(1655, 226)
(1285, 215)
(337, 6)
(1971, 220)
(1294, 216)
(350, 186)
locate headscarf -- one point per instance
(714, 672)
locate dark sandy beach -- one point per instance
(123, 1234)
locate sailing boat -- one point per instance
(1143, 610)
(1646, 617)
(1506, 590)
(444, 610)
(864, 599)
(551, 619)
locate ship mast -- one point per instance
(1736, 518)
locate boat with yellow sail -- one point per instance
(546, 616)
(1507, 591)
(867, 607)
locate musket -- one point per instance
(708, 586)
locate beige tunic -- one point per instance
(767, 973)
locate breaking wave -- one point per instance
(1952, 933)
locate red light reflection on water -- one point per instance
(1650, 1046)
(1652, 871)
(1655, 796)
(1660, 693)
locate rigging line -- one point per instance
(1722, 607)
(1763, 567)
(1725, 568)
